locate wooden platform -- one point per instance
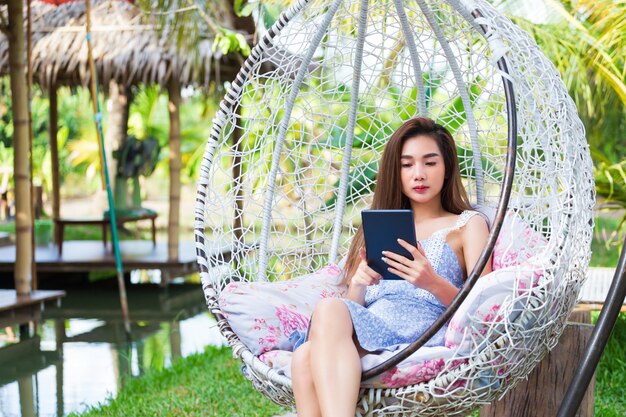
(596, 288)
(19, 309)
(92, 255)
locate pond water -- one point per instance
(79, 355)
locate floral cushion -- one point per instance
(264, 314)
(516, 269)
(287, 307)
(476, 320)
(422, 366)
(517, 241)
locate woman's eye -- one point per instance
(406, 165)
(431, 164)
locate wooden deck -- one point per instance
(92, 255)
(596, 288)
(19, 309)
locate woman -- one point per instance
(419, 170)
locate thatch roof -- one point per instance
(125, 48)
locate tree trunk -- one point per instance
(174, 215)
(244, 24)
(117, 125)
(23, 229)
(542, 393)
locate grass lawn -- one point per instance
(208, 384)
(611, 374)
(605, 246)
(88, 232)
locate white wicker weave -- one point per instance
(293, 152)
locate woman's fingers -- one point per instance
(421, 249)
(398, 266)
(400, 274)
(412, 249)
(367, 275)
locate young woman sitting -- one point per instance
(419, 170)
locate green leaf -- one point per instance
(270, 14)
(361, 181)
(243, 8)
(453, 116)
(243, 44)
(466, 165)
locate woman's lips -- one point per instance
(420, 189)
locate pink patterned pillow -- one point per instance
(517, 241)
(478, 318)
(516, 269)
(264, 314)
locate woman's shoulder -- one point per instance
(472, 223)
(468, 216)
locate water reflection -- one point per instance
(80, 356)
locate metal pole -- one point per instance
(105, 171)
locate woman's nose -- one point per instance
(419, 172)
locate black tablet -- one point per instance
(381, 229)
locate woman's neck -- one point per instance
(425, 211)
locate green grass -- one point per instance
(605, 246)
(89, 232)
(611, 374)
(208, 384)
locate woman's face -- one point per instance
(422, 169)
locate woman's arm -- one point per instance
(473, 239)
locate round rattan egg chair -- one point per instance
(294, 150)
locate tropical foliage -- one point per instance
(585, 40)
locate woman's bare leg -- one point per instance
(307, 404)
(335, 360)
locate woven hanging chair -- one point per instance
(293, 155)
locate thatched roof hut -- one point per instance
(126, 48)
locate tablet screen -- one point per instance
(381, 229)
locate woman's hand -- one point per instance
(418, 271)
(364, 277)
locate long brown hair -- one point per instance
(388, 193)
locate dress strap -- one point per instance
(435, 245)
(463, 219)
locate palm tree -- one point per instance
(585, 40)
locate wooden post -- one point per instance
(542, 393)
(53, 115)
(59, 327)
(27, 397)
(175, 163)
(19, 97)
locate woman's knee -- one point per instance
(301, 361)
(331, 316)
